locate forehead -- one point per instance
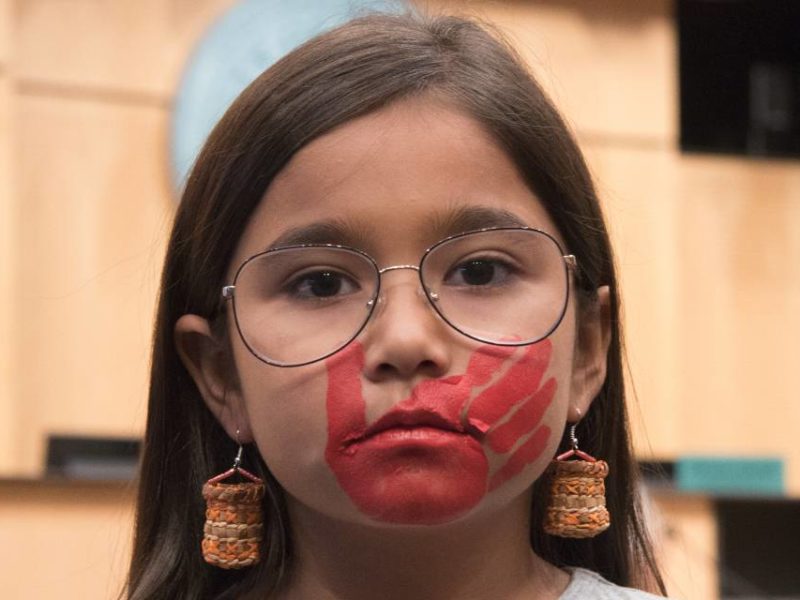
(393, 182)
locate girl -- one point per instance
(389, 282)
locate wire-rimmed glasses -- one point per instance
(296, 305)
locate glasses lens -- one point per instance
(297, 305)
(498, 286)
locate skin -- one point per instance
(394, 180)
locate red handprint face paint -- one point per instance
(426, 461)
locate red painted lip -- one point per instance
(412, 436)
(409, 420)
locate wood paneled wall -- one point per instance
(708, 246)
(85, 95)
(70, 541)
(609, 66)
(96, 214)
(8, 255)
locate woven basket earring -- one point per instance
(578, 495)
(234, 523)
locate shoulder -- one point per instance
(587, 584)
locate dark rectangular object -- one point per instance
(740, 76)
(78, 457)
(759, 548)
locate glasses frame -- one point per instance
(570, 266)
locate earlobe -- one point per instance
(593, 337)
(205, 358)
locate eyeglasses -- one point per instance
(296, 305)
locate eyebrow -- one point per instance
(471, 218)
(460, 220)
(321, 232)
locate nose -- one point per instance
(405, 338)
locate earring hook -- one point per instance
(572, 437)
(237, 462)
(237, 467)
(574, 450)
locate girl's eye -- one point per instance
(479, 272)
(322, 284)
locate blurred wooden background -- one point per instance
(708, 248)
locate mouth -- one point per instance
(435, 407)
(416, 423)
(412, 419)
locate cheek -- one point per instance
(284, 406)
(285, 411)
(522, 445)
(531, 452)
(515, 410)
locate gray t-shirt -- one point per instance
(587, 585)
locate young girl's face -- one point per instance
(412, 423)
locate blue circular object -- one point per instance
(244, 42)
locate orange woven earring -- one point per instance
(578, 494)
(234, 524)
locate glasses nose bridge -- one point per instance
(420, 290)
(380, 303)
(398, 268)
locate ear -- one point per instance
(207, 360)
(593, 336)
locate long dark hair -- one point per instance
(348, 72)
